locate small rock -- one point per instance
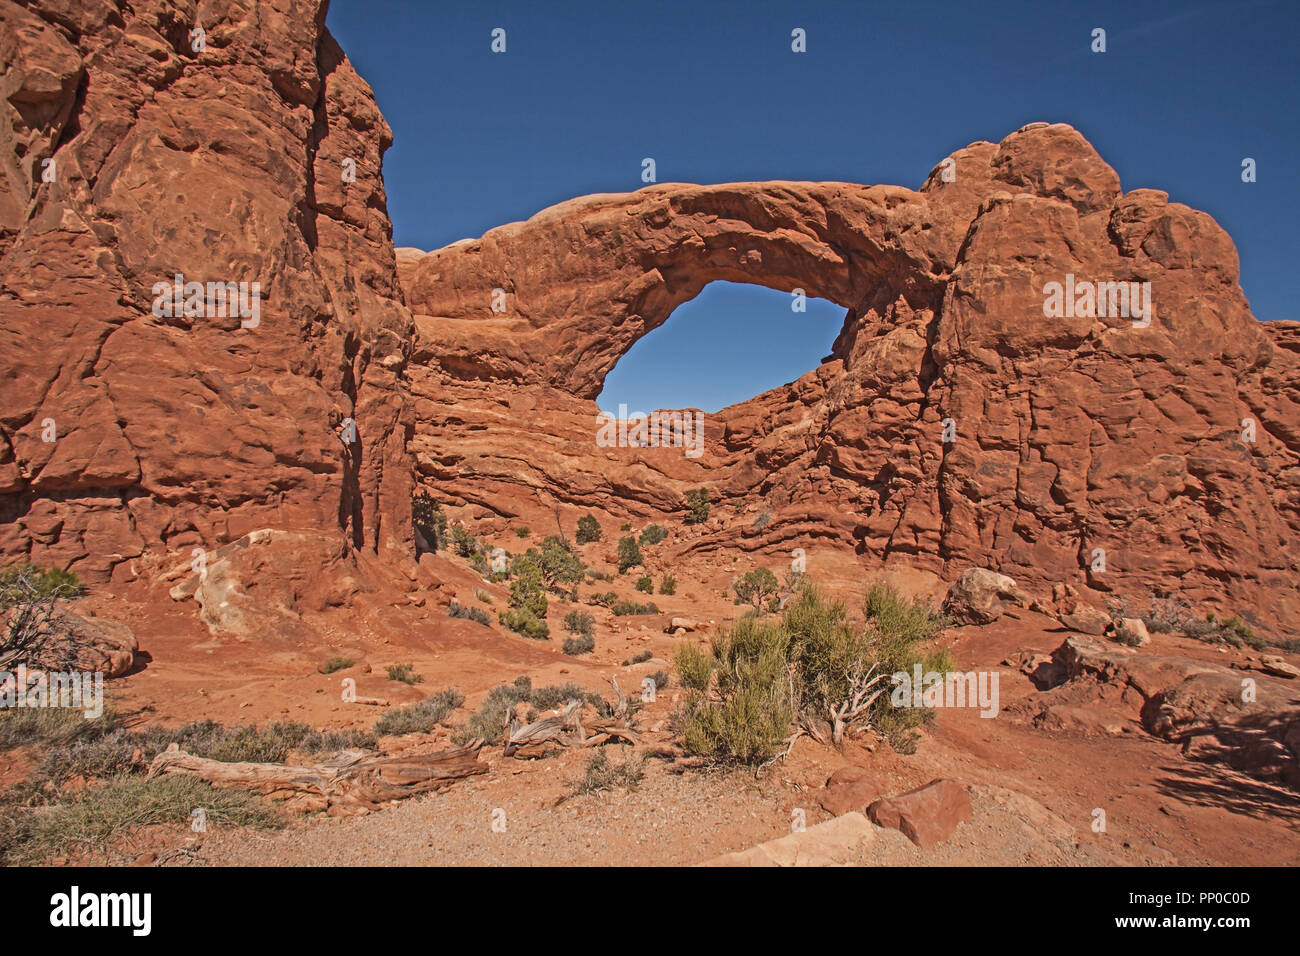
(1131, 631)
(1279, 668)
(979, 596)
(1085, 618)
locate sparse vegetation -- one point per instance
(421, 717)
(604, 774)
(697, 506)
(629, 608)
(653, 534)
(489, 722)
(580, 644)
(762, 521)
(757, 587)
(525, 623)
(96, 817)
(661, 679)
(483, 596)
(337, 664)
(405, 673)
(645, 584)
(668, 584)
(588, 529)
(523, 532)
(1169, 615)
(639, 658)
(25, 582)
(475, 614)
(429, 520)
(579, 622)
(629, 554)
(811, 668)
(607, 599)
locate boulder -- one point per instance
(928, 815)
(979, 596)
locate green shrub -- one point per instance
(523, 532)
(489, 722)
(579, 622)
(405, 673)
(528, 588)
(524, 622)
(645, 584)
(558, 563)
(337, 664)
(694, 666)
(608, 599)
(20, 582)
(697, 506)
(668, 585)
(421, 717)
(629, 554)
(475, 614)
(625, 526)
(757, 587)
(661, 679)
(581, 644)
(628, 608)
(465, 544)
(638, 658)
(588, 529)
(653, 534)
(98, 816)
(428, 518)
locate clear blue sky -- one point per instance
(713, 92)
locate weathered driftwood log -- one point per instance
(350, 783)
(568, 728)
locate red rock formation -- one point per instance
(223, 164)
(1071, 433)
(226, 164)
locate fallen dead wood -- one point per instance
(568, 728)
(348, 784)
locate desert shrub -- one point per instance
(559, 564)
(523, 532)
(604, 774)
(422, 716)
(629, 554)
(653, 534)
(757, 587)
(625, 526)
(528, 588)
(628, 608)
(762, 521)
(405, 673)
(579, 622)
(475, 614)
(489, 722)
(524, 622)
(697, 506)
(661, 679)
(812, 666)
(429, 520)
(639, 658)
(44, 727)
(595, 575)
(99, 815)
(579, 644)
(588, 529)
(694, 666)
(645, 584)
(464, 544)
(483, 596)
(668, 584)
(337, 664)
(20, 582)
(748, 717)
(553, 696)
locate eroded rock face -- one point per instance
(122, 431)
(1105, 450)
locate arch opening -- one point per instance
(731, 342)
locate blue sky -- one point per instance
(713, 92)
